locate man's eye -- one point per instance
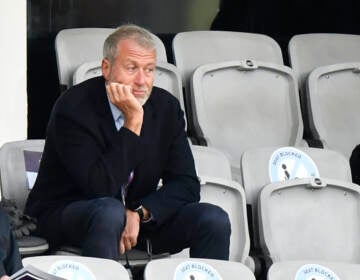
(149, 70)
(131, 68)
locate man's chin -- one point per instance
(142, 100)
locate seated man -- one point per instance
(109, 141)
(10, 261)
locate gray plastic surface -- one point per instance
(288, 269)
(333, 96)
(13, 186)
(307, 219)
(164, 269)
(309, 51)
(230, 196)
(194, 48)
(240, 107)
(103, 269)
(12, 169)
(211, 162)
(255, 168)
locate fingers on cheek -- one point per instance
(127, 89)
(116, 92)
(111, 96)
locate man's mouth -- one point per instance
(139, 92)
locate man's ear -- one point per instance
(106, 68)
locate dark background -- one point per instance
(280, 19)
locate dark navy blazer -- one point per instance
(85, 156)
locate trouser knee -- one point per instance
(215, 221)
(108, 214)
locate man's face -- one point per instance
(133, 66)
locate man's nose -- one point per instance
(140, 77)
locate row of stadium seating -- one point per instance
(305, 213)
(288, 206)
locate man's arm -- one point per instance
(97, 159)
(180, 182)
(95, 168)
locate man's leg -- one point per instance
(10, 261)
(203, 227)
(95, 226)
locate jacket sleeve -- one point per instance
(98, 169)
(180, 183)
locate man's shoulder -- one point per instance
(78, 96)
(161, 97)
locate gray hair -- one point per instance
(128, 31)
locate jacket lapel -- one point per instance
(101, 107)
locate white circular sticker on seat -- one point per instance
(194, 270)
(289, 163)
(315, 272)
(71, 270)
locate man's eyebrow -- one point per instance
(129, 60)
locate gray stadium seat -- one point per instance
(15, 184)
(317, 269)
(310, 219)
(195, 48)
(78, 45)
(211, 162)
(229, 195)
(246, 104)
(333, 98)
(255, 170)
(101, 269)
(309, 51)
(196, 269)
(214, 172)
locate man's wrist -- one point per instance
(140, 212)
(143, 213)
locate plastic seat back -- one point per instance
(19, 163)
(262, 166)
(230, 196)
(211, 162)
(310, 269)
(78, 267)
(241, 105)
(311, 218)
(192, 268)
(332, 96)
(309, 51)
(195, 48)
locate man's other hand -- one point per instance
(131, 232)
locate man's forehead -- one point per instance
(133, 46)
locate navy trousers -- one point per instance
(96, 226)
(10, 261)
